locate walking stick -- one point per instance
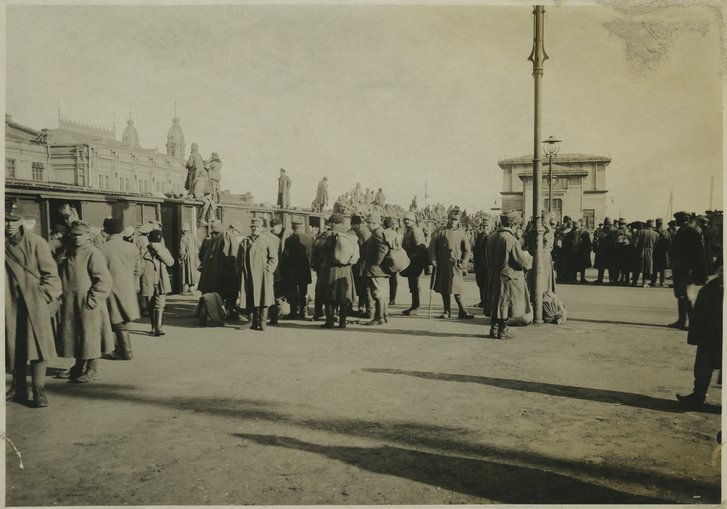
(431, 288)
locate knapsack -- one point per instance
(396, 259)
(553, 309)
(346, 250)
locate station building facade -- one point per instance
(91, 157)
(579, 186)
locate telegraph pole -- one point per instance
(538, 58)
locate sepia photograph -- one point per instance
(328, 253)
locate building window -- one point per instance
(38, 171)
(589, 218)
(10, 168)
(128, 187)
(559, 182)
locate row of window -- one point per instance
(11, 170)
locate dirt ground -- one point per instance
(415, 412)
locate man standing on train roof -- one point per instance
(284, 185)
(195, 165)
(321, 200)
(32, 290)
(215, 176)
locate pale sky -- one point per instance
(390, 96)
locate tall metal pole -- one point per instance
(550, 183)
(538, 57)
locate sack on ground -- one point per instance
(210, 310)
(553, 309)
(346, 251)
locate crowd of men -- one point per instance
(75, 295)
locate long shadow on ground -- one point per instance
(440, 439)
(566, 391)
(493, 481)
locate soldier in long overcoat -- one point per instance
(661, 253)
(507, 291)
(284, 185)
(604, 245)
(122, 260)
(188, 258)
(155, 283)
(211, 268)
(276, 234)
(295, 267)
(365, 301)
(373, 254)
(449, 252)
(85, 332)
(257, 259)
(689, 266)
(321, 199)
(195, 165)
(226, 259)
(32, 289)
(337, 288)
(706, 333)
(415, 246)
(646, 240)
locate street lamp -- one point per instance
(551, 148)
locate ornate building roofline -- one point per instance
(562, 158)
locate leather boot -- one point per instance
(330, 317)
(39, 398)
(274, 310)
(18, 390)
(503, 331)
(263, 317)
(342, 316)
(378, 317)
(90, 374)
(158, 317)
(125, 353)
(255, 318)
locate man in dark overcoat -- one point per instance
(661, 253)
(122, 260)
(706, 333)
(604, 246)
(416, 249)
(212, 263)
(32, 289)
(689, 266)
(365, 301)
(449, 252)
(295, 267)
(228, 287)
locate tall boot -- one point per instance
(18, 390)
(503, 331)
(124, 339)
(342, 313)
(317, 309)
(330, 316)
(304, 308)
(38, 369)
(158, 317)
(90, 373)
(414, 304)
(463, 313)
(447, 304)
(151, 313)
(681, 322)
(263, 317)
(377, 320)
(274, 310)
(255, 318)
